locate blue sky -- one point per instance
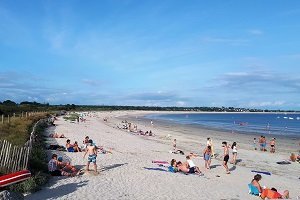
(154, 53)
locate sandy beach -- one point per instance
(128, 173)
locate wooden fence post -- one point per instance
(26, 114)
(8, 119)
(14, 115)
(2, 119)
(22, 114)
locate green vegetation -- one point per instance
(37, 165)
(17, 132)
(9, 107)
(71, 117)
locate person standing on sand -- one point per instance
(234, 153)
(207, 156)
(254, 144)
(226, 156)
(92, 152)
(272, 145)
(174, 145)
(264, 143)
(209, 143)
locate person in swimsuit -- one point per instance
(182, 167)
(92, 155)
(55, 169)
(234, 153)
(174, 145)
(226, 156)
(254, 144)
(207, 156)
(272, 145)
(192, 167)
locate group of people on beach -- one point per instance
(187, 167)
(208, 153)
(57, 167)
(262, 141)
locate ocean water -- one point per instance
(276, 124)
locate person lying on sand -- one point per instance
(55, 170)
(55, 135)
(182, 167)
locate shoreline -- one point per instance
(284, 143)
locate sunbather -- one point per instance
(55, 135)
(192, 167)
(55, 170)
(274, 194)
(182, 167)
(65, 166)
(268, 193)
(72, 148)
(255, 182)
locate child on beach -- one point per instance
(92, 152)
(225, 156)
(174, 145)
(254, 144)
(207, 156)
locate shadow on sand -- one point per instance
(155, 169)
(214, 166)
(232, 168)
(106, 168)
(59, 191)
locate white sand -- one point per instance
(123, 174)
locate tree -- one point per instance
(9, 103)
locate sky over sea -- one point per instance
(151, 52)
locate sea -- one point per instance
(283, 124)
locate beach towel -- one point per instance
(261, 172)
(155, 169)
(159, 162)
(283, 162)
(253, 190)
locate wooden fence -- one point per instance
(14, 158)
(8, 118)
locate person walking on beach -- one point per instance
(207, 156)
(92, 152)
(174, 145)
(234, 153)
(225, 156)
(272, 145)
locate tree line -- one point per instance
(8, 107)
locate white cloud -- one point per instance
(256, 32)
(254, 104)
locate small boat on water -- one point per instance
(291, 118)
(285, 117)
